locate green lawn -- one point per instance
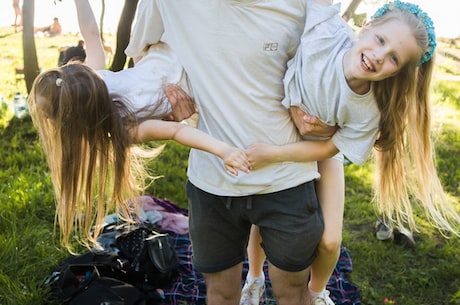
(428, 274)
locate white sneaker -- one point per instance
(383, 230)
(323, 299)
(251, 293)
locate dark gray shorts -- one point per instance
(290, 222)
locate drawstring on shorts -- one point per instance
(249, 203)
(228, 204)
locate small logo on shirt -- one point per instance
(270, 46)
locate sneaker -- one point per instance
(323, 299)
(383, 230)
(403, 236)
(251, 293)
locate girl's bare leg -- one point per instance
(256, 254)
(255, 280)
(330, 190)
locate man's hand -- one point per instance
(309, 125)
(181, 103)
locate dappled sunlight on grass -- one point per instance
(385, 269)
(446, 107)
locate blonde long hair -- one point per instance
(405, 159)
(84, 134)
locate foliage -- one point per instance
(171, 166)
(27, 238)
(29, 244)
(47, 53)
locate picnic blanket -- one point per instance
(189, 288)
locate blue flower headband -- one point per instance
(414, 9)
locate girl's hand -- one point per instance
(235, 159)
(260, 155)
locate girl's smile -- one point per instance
(366, 63)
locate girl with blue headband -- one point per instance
(375, 88)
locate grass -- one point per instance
(29, 246)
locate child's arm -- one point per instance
(95, 57)
(150, 130)
(261, 154)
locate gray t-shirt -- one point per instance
(316, 83)
(235, 54)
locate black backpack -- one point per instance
(151, 255)
(146, 261)
(89, 279)
(107, 290)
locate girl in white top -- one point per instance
(88, 125)
(375, 89)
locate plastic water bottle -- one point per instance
(20, 106)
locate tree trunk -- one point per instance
(101, 21)
(31, 69)
(123, 34)
(351, 9)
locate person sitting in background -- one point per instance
(51, 30)
(67, 54)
